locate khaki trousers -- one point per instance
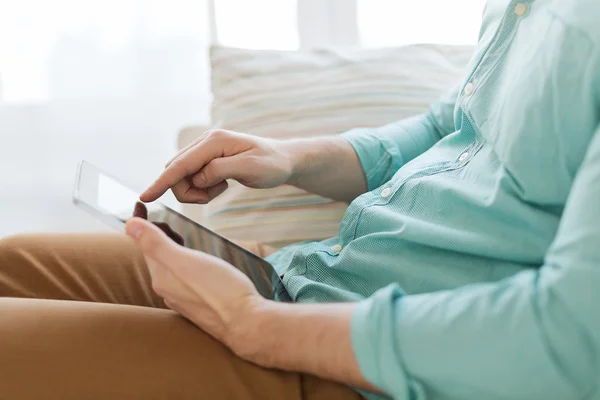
(79, 320)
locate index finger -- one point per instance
(167, 179)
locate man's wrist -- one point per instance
(293, 150)
(326, 165)
(312, 156)
(246, 336)
(306, 338)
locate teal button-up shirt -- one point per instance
(475, 255)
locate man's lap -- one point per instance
(85, 348)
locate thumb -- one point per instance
(219, 170)
(154, 243)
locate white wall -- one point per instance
(40, 145)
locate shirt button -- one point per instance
(386, 192)
(337, 248)
(469, 88)
(463, 156)
(520, 9)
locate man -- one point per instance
(467, 264)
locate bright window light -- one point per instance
(73, 49)
(257, 24)
(398, 22)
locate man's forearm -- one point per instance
(308, 338)
(327, 166)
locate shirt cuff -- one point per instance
(373, 333)
(383, 150)
(282, 258)
(376, 155)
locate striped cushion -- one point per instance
(281, 94)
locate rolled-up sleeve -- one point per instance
(383, 150)
(535, 335)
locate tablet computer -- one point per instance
(104, 196)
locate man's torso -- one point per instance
(485, 201)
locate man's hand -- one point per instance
(206, 290)
(198, 173)
(223, 302)
(326, 165)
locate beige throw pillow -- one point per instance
(281, 94)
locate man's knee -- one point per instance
(17, 249)
(13, 246)
(23, 259)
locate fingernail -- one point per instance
(136, 232)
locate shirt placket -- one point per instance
(485, 66)
(492, 56)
